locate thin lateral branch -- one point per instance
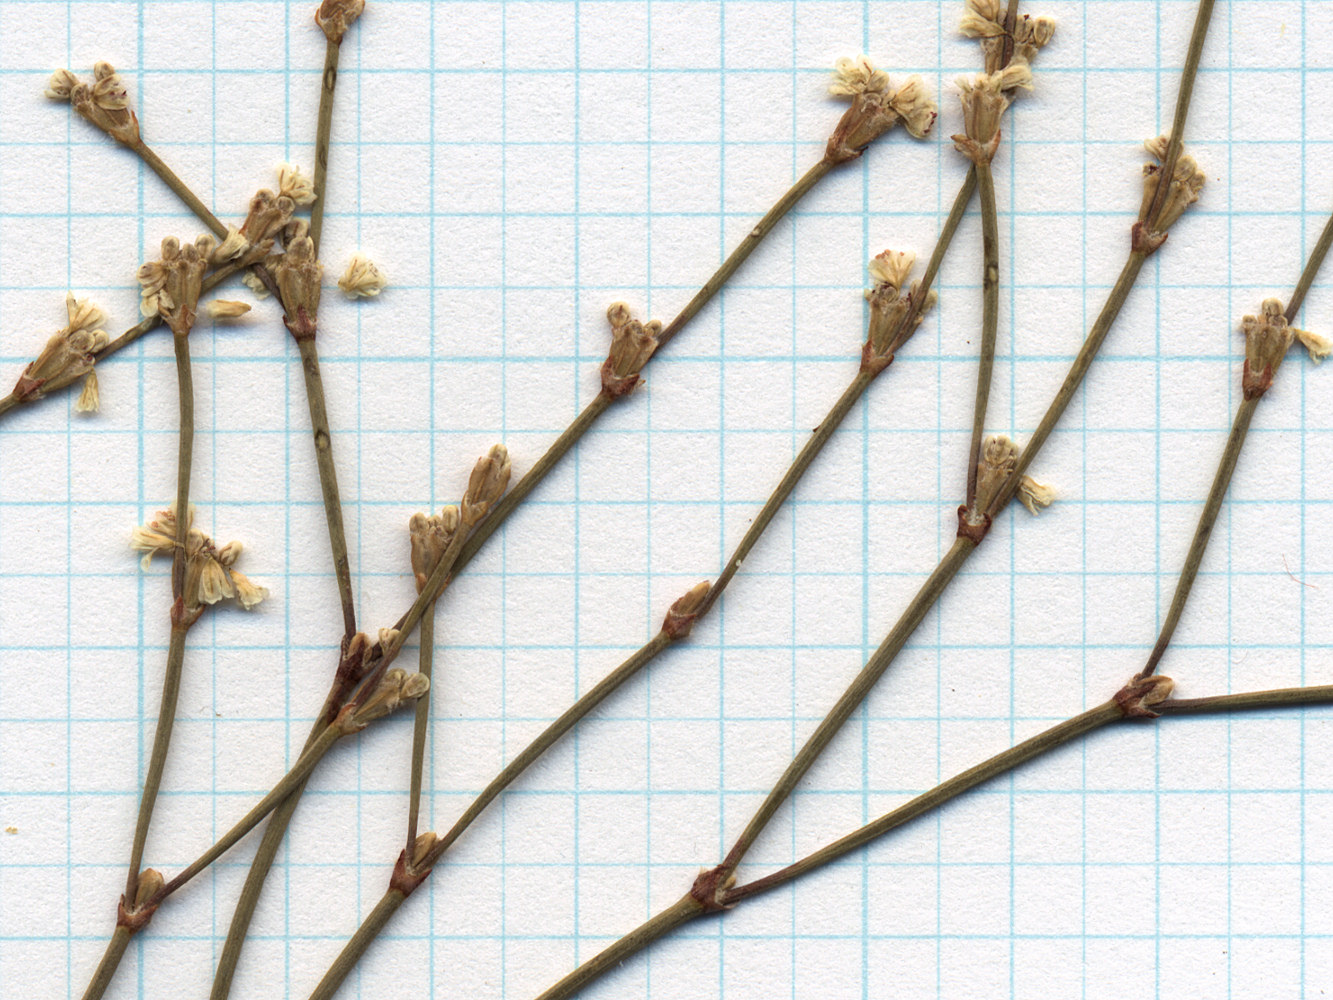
(856, 692)
(1312, 265)
(328, 478)
(179, 188)
(322, 134)
(1212, 507)
(990, 317)
(296, 776)
(1193, 55)
(746, 247)
(420, 724)
(680, 912)
(356, 946)
(1030, 749)
(106, 968)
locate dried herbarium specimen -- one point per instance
(525, 174)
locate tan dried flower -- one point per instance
(632, 345)
(334, 17)
(267, 216)
(231, 247)
(256, 284)
(489, 480)
(158, 535)
(298, 275)
(984, 104)
(396, 688)
(1035, 496)
(295, 185)
(170, 286)
(983, 19)
(210, 573)
(226, 308)
(90, 399)
(362, 279)
(1182, 191)
(69, 354)
(61, 84)
(876, 108)
(1268, 337)
(430, 535)
(894, 314)
(105, 103)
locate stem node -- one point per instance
(973, 531)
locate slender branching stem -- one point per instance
(682, 911)
(356, 946)
(1030, 749)
(1312, 265)
(1202, 18)
(180, 188)
(296, 776)
(328, 478)
(1212, 507)
(990, 319)
(106, 969)
(746, 247)
(856, 692)
(322, 133)
(420, 724)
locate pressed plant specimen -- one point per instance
(516, 170)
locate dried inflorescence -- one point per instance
(984, 20)
(105, 102)
(894, 314)
(632, 345)
(986, 96)
(1159, 208)
(876, 108)
(1268, 337)
(170, 286)
(430, 535)
(210, 573)
(69, 354)
(295, 185)
(486, 485)
(298, 275)
(396, 688)
(999, 457)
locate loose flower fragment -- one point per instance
(362, 279)
(226, 308)
(90, 399)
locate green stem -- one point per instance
(356, 947)
(296, 776)
(106, 969)
(420, 725)
(328, 479)
(1246, 701)
(179, 188)
(681, 912)
(1312, 265)
(746, 247)
(990, 317)
(328, 81)
(851, 698)
(1203, 530)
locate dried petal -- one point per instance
(295, 185)
(362, 279)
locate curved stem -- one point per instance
(322, 133)
(990, 317)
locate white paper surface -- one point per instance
(514, 168)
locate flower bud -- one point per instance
(298, 275)
(682, 615)
(334, 17)
(632, 345)
(489, 479)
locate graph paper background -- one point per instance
(515, 167)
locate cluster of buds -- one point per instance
(69, 354)
(394, 690)
(105, 103)
(632, 344)
(210, 572)
(984, 20)
(268, 216)
(1267, 339)
(170, 286)
(334, 17)
(430, 536)
(486, 485)
(894, 314)
(298, 275)
(999, 456)
(358, 657)
(876, 108)
(1159, 210)
(362, 279)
